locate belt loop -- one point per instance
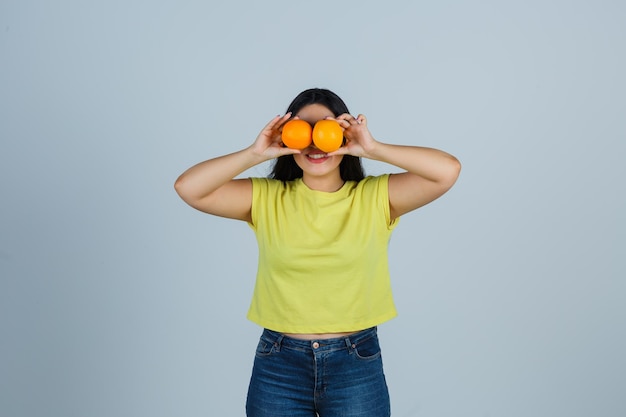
(349, 344)
(278, 342)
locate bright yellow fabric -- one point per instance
(322, 256)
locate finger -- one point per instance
(341, 151)
(353, 120)
(344, 123)
(345, 120)
(285, 117)
(360, 119)
(270, 125)
(282, 121)
(277, 121)
(283, 150)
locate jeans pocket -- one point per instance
(368, 349)
(264, 348)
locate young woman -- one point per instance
(322, 229)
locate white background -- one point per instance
(116, 299)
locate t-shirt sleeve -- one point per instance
(380, 189)
(259, 191)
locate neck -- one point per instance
(328, 184)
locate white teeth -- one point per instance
(317, 155)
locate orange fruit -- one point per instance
(327, 135)
(296, 134)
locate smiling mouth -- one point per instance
(317, 155)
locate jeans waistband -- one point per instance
(279, 340)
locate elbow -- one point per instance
(188, 191)
(457, 167)
(180, 185)
(453, 171)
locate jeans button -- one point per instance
(315, 345)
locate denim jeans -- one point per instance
(341, 377)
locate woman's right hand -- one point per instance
(268, 143)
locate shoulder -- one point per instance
(375, 191)
(260, 183)
(374, 184)
(372, 189)
(270, 189)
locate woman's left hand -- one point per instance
(359, 140)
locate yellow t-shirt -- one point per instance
(322, 256)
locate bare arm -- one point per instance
(210, 185)
(429, 172)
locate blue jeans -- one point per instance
(340, 377)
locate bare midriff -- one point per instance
(318, 336)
